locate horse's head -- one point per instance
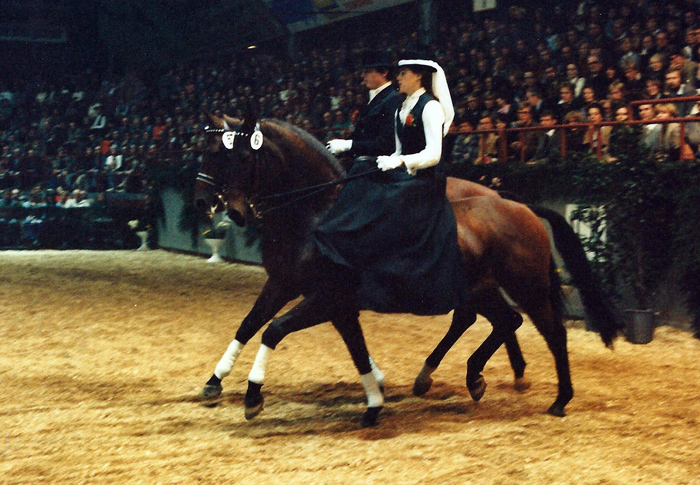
(255, 165)
(219, 184)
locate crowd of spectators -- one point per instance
(578, 63)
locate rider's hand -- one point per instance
(389, 162)
(339, 146)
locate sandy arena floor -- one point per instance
(103, 353)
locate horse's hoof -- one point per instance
(477, 389)
(522, 384)
(253, 409)
(370, 417)
(253, 400)
(422, 385)
(556, 410)
(210, 392)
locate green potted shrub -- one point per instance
(632, 207)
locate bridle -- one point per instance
(221, 190)
(257, 205)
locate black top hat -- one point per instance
(374, 59)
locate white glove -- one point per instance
(339, 146)
(389, 162)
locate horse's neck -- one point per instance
(301, 176)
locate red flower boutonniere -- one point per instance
(409, 120)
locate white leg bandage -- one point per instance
(223, 368)
(257, 373)
(377, 372)
(374, 395)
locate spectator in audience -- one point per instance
(549, 142)
(627, 54)
(650, 137)
(567, 101)
(575, 135)
(597, 78)
(692, 40)
(646, 51)
(537, 103)
(589, 99)
(662, 43)
(622, 114)
(653, 89)
(490, 106)
(488, 148)
(524, 146)
(688, 69)
(506, 109)
(466, 145)
(550, 85)
(472, 111)
(617, 145)
(617, 95)
(669, 136)
(99, 124)
(634, 83)
(597, 137)
(573, 78)
(656, 67)
(675, 88)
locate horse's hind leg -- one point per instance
(515, 355)
(271, 300)
(554, 333)
(348, 325)
(545, 310)
(462, 319)
(499, 309)
(505, 321)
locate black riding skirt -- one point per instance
(395, 235)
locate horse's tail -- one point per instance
(598, 306)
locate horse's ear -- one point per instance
(251, 116)
(231, 122)
(217, 122)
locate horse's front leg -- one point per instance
(311, 311)
(270, 301)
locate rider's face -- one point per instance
(409, 81)
(372, 79)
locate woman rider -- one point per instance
(391, 237)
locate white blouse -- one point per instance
(433, 119)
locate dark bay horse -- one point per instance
(504, 245)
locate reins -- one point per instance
(313, 190)
(320, 186)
